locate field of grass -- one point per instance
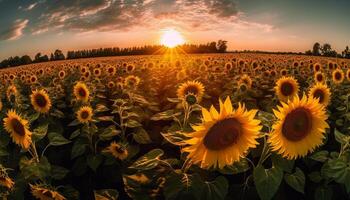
(211, 126)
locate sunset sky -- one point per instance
(28, 27)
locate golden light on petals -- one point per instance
(44, 193)
(321, 92)
(223, 137)
(300, 127)
(81, 92)
(84, 114)
(40, 100)
(191, 87)
(286, 88)
(18, 129)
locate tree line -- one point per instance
(326, 50)
(212, 47)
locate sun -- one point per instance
(171, 38)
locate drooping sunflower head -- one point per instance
(319, 77)
(40, 101)
(321, 92)
(5, 180)
(18, 129)
(223, 137)
(194, 87)
(42, 192)
(117, 150)
(84, 114)
(338, 76)
(300, 127)
(286, 88)
(81, 92)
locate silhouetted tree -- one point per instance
(58, 55)
(316, 49)
(222, 46)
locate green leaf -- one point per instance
(216, 190)
(100, 108)
(106, 118)
(339, 170)
(142, 137)
(341, 138)
(283, 163)
(33, 117)
(315, 176)
(108, 133)
(267, 181)
(321, 156)
(296, 180)
(78, 148)
(57, 113)
(149, 161)
(57, 139)
(33, 170)
(75, 134)
(323, 193)
(40, 132)
(110, 194)
(166, 115)
(58, 172)
(175, 137)
(94, 161)
(236, 168)
(74, 123)
(133, 123)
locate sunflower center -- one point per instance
(337, 76)
(287, 89)
(319, 94)
(319, 78)
(82, 92)
(84, 114)
(223, 134)
(119, 149)
(40, 100)
(18, 127)
(297, 124)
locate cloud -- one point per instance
(15, 31)
(123, 15)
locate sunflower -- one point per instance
(222, 138)
(62, 74)
(11, 92)
(321, 92)
(317, 67)
(319, 77)
(1, 105)
(286, 88)
(111, 71)
(84, 114)
(300, 127)
(117, 150)
(43, 193)
(40, 101)
(246, 80)
(194, 87)
(338, 76)
(131, 81)
(97, 72)
(81, 91)
(18, 129)
(348, 74)
(5, 180)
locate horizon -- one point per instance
(41, 26)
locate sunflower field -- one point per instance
(210, 126)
